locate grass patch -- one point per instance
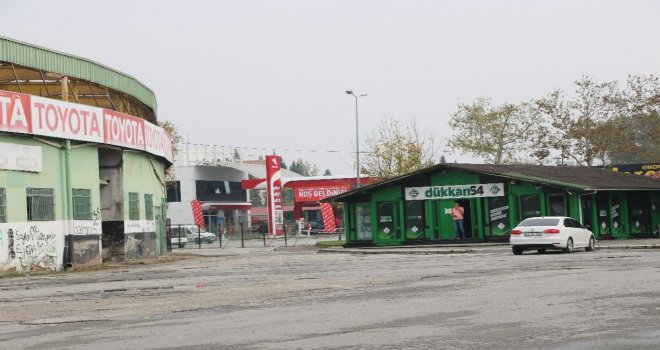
(330, 244)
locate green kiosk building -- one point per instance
(415, 208)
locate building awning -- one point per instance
(213, 206)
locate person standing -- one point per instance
(458, 213)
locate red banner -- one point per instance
(328, 217)
(14, 112)
(198, 215)
(275, 198)
(314, 194)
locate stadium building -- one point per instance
(82, 162)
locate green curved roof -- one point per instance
(37, 57)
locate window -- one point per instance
(415, 222)
(220, 191)
(3, 205)
(82, 204)
(557, 205)
(40, 204)
(539, 222)
(149, 206)
(174, 191)
(133, 206)
(363, 221)
(572, 223)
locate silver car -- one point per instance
(193, 234)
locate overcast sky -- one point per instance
(263, 75)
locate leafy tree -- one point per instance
(601, 122)
(327, 172)
(176, 138)
(395, 150)
(635, 127)
(304, 168)
(442, 159)
(498, 134)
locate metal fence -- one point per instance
(194, 237)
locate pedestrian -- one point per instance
(457, 213)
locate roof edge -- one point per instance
(38, 57)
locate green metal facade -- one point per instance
(83, 171)
(52, 61)
(609, 214)
(136, 167)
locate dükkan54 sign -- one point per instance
(454, 191)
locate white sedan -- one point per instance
(550, 232)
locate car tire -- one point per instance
(569, 246)
(182, 245)
(541, 251)
(592, 244)
(516, 250)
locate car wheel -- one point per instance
(592, 243)
(516, 250)
(541, 251)
(569, 246)
(182, 245)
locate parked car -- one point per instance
(315, 226)
(177, 241)
(550, 232)
(193, 234)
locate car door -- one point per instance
(584, 232)
(579, 238)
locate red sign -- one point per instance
(275, 198)
(14, 112)
(198, 215)
(314, 194)
(328, 217)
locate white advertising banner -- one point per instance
(35, 115)
(454, 191)
(21, 157)
(157, 141)
(66, 120)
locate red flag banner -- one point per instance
(328, 217)
(275, 198)
(197, 213)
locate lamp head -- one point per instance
(349, 92)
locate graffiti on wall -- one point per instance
(88, 227)
(24, 244)
(32, 246)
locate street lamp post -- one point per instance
(357, 137)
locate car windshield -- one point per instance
(539, 222)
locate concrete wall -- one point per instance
(62, 241)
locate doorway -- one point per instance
(467, 217)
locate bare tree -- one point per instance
(176, 138)
(394, 150)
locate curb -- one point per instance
(393, 251)
(639, 246)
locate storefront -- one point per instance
(414, 208)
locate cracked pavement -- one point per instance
(295, 298)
